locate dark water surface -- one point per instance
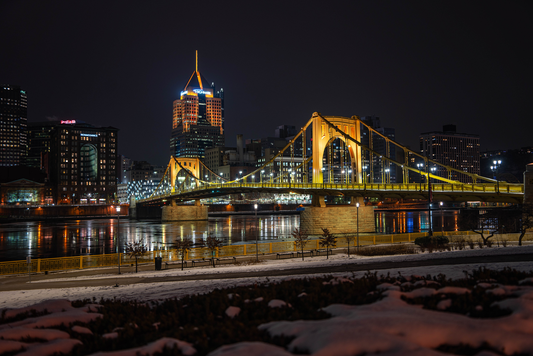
(81, 237)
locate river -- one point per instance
(81, 237)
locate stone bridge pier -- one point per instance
(174, 212)
(339, 219)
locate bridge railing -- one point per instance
(502, 187)
(110, 260)
(437, 187)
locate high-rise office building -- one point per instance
(81, 160)
(457, 150)
(198, 118)
(376, 169)
(13, 125)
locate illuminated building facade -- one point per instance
(13, 125)
(457, 150)
(198, 118)
(81, 160)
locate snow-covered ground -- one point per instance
(156, 291)
(388, 327)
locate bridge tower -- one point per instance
(338, 219)
(175, 212)
(324, 135)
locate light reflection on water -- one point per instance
(75, 237)
(389, 222)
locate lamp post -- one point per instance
(441, 218)
(256, 233)
(357, 206)
(261, 177)
(420, 165)
(433, 170)
(387, 175)
(495, 168)
(118, 237)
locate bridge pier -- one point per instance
(528, 184)
(175, 212)
(133, 208)
(339, 219)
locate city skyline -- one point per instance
(416, 66)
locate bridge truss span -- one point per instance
(335, 155)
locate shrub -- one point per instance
(387, 250)
(470, 243)
(432, 242)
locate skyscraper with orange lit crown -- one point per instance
(198, 118)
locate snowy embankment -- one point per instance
(158, 291)
(391, 326)
(395, 324)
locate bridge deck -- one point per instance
(502, 192)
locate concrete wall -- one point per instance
(338, 219)
(57, 211)
(184, 212)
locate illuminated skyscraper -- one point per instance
(13, 126)
(457, 150)
(198, 118)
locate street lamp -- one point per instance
(420, 165)
(441, 218)
(118, 237)
(387, 175)
(433, 170)
(357, 205)
(495, 168)
(256, 233)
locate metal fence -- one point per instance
(81, 262)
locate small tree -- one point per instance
(480, 224)
(183, 246)
(300, 239)
(213, 243)
(136, 249)
(526, 223)
(327, 240)
(348, 238)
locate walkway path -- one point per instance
(20, 282)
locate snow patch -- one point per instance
(153, 347)
(250, 348)
(232, 312)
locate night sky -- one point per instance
(416, 65)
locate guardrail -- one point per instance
(91, 261)
(501, 187)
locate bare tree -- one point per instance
(348, 238)
(480, 224)
(183, 246)
(136, 249)
(327, 240)
(213, 243)
(526, 222)
(301, 238)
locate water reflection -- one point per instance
(389, 222)
(81, 237)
